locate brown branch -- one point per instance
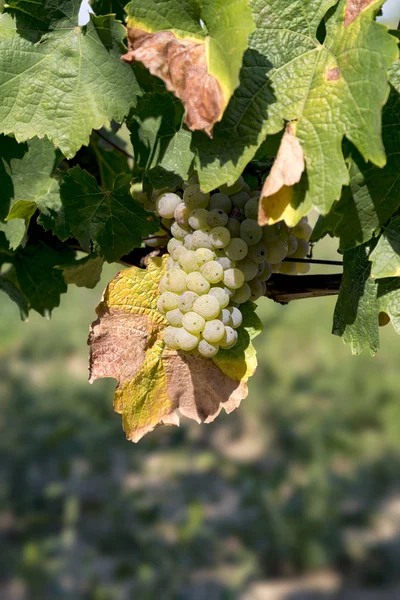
(285, 288)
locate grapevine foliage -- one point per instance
(97, 121)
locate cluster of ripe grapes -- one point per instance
(220, 258)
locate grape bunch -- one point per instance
(220, 258)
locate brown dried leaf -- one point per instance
(354, 8)
(182, 65)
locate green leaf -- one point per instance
(39, 279)
(111, 223)
(161, 146)
(288, 75)
(394, 75)
(110, 160)
(65, 85)
(10, 287)
(14, 232)
(85, 272)
(385, 257)
(361, 299)
(373, 195)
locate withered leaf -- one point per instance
(155, 384)
(182, 65)
(354, 8)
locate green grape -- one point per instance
(201, 239)
(186, 301)
(292, 244)
(266, 272)
(240, 199)
(174, 317)
(170, 337)
(233, 278)
(248, 268)
(251, 209)
(220, 237)
(256, 289)
(193, 197)
(174, 281)
(195, 282)
(303, 248)
(234, 188)
(198, 218)
(213, 331)
(167, 203)
(302, 230)
(236, 249)
(225, 316)
(221, 202)
(188, 261)
(167, 301)
(233, 226)
(277, 252)
(217, 218)
(258, 253)
(174, 248)
(236, 317)
(207, 306)
(193, 322)
(204, 255)
(250, 232)
(221, 295)
(212, 271)
(188, 242)
(242, 294)
(179, 232)
(288, 268)
(230, 338)
(186, 341)
(181, 214)
(225, 262)
(207, 350)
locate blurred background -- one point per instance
(295, 496)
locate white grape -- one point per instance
(233, 226)
(225, 316)
(174, 317)
(221, 295)
(303, 248)
(233, 278)
(207, 350)
(266, 272)
(204, 255)
(195, 282)
(188, 261)
(236, 249)
(201, 239)
(195, 198)
(167, 203)
(230, 338)
(167, 223)
(275, 268)
(302, 230)
(198, 218)
(236, 317)
(240, 199)
(193, 322)
(188, 242)
(212, 271)
(172, 264)
(217, 218)
(179, 232)
(248, 267)
(234, 188)
(251, 209)
(257, 253)
(207, 306)
(242, 294)
(174, 281)
(271, 234)
(167, 301)
(256, 289)
(277, 252)
(221, 202)
(302, 268)
(220, 237)
(171, 338)
(250, 232)
(181, 214)
(225, 262)
(288, 268)
(186, 301)
(213, 331)
(292, 245)
(192, 180)
(187, 341)
(174, 248)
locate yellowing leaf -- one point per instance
(156, 384)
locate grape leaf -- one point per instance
(332, 90)
(9, 286)
(14, 232)
(85, 272)
(373, 195)
(110, 223)
(200, 65)
(385, 257)
(66, 84)
(155, 384)
(361, 299)
(394, 75)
